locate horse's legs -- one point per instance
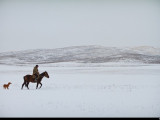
(23, 85)
(41, 85)
(27, 85)
(37, 85)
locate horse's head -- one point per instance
(46, 74)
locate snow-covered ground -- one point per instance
(94, 90)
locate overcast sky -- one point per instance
(27, 24)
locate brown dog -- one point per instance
(6, 86)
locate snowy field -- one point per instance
(109, 90)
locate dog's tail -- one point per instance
(3, 86)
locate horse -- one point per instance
(29, 78)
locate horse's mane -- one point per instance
(43, 73)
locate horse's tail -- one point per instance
(25, 80)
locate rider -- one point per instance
(35, 72)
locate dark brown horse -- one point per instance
(29, 78)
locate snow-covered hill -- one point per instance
(83, 54)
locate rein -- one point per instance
(41, 75)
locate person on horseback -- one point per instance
(35, 73)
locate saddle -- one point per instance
(34, 77)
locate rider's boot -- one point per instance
(35, 79)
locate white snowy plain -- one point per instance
(82, 91)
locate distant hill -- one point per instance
(83, 54)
